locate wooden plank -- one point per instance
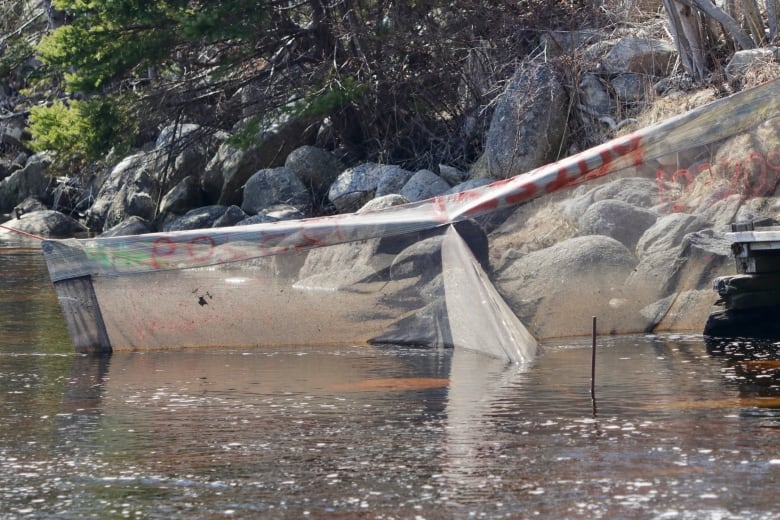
(82, 315)
(754, 236)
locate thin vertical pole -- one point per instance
(593, 367)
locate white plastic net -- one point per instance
(491, 269)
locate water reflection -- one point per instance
(397, 432)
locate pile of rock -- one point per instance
(191, 177)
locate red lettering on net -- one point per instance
(524, 193)
(561, 180)
(631, 144)
(311, 241)
(169, 248)
(477, 209)
(268, 242)
(194, 246)
(685, 174)
(440, 209)
(701, 168)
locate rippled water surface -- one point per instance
(680, 429)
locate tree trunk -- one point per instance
(687, 31)
(729, 24)
(771, 18)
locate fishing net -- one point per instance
(632, 231)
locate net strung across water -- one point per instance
(630, 231)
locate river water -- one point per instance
(680, 429)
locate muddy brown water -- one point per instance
(681, 429)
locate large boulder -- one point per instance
(529, 121)
(680, 253)
(424, 185)
(46, 223)
(129, 190)
(355, 186)
(744, 167)
(30, 181)
(636, 191)
(231, 167)
(186, 195)
(271, 186)
(555, 291)
(132, 226)
(617, 219)
(392, 180)
(640, 55)
(667, 233)
(198, 218)
(184, 150)
(682, 280)
(315, 167)
(660, 255)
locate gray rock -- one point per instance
(46, 223)
(421, 257)
(392, 180)
(640, 55)
(30, 181)
(566, 42)
(667, 233)
(315, 167)
(637, 191)
(183, 197)
(282, 212)
(743, 60)
(631, 87)
(172, 135)
(683, 312)
(355, 186)
(131, 176)
(28, 205)
(132, 226)
(232, 216)
(424, 185)
(199, 218)
(721, 213)
(338, 260)
(663, 274)
(272, 186)
(383, 202)
(336, 279)
(231, 167)
(427, 327)
(529, 121)
(452, 175)
(617, 219)
(183, 150)
(595, 97)
(256, 219)
(556, 290)
(468, 185)
(131, 200)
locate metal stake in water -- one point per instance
(593, 367)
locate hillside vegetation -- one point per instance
(408, 83)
